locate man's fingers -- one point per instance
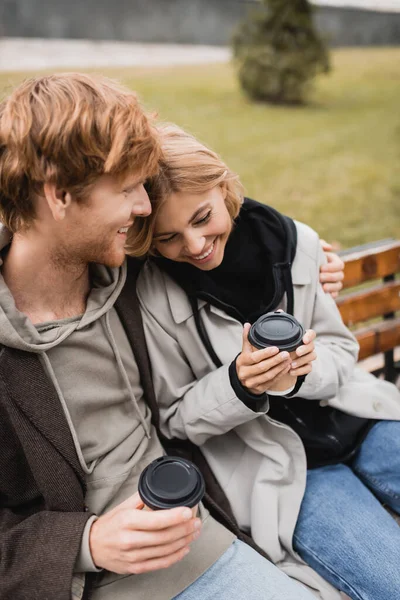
(332, 288)
(145, 520)
(325, 245)
(160, 563)
(141, 539)
(334, 263)
(331, 276)
(333, 294)
(150, 552)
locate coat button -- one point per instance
(86, 508)
(377, 406)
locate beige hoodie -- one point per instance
(90, 362)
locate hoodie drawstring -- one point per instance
(88, 469)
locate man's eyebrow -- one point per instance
(192, 218)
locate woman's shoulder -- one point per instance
(308, 244)
(160, 295)
(150, 278)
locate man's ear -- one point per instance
(58, 200)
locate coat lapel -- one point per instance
(31, 390)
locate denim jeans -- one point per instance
(243, 574)
(343, 532)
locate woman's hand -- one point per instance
(332, 273)
(304, 355)
(260, 370)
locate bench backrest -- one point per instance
(371, 301)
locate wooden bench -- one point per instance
(370, 304)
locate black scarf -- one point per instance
(255, 271)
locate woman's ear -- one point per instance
(58, 200)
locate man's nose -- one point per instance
(141, 205)
(194, 244)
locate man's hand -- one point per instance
(260, 370)
(129, 540)
(332, 273)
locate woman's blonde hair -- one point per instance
(188, 166)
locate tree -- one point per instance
(278, 52)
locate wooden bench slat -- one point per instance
(370, 303)
(377, 338)
(373, 263)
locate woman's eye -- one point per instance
(204, 219)
(166, 240)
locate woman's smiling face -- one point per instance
(193, 228)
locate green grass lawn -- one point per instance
(334, 164)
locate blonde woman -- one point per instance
(215, 263)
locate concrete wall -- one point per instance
(182, 21)
(355, 27)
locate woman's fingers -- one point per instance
(308, 337)
(246, 346)
(299, 363)
(261, 383)
(307, 368)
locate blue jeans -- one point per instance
(343, 531)
(241, 573)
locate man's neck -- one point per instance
(43, 289)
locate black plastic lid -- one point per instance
(276, 329)
(171, 481)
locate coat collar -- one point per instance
(301, 269)
(180, 306)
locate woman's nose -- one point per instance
(194, 244)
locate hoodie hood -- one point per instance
(17, 331)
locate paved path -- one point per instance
(22, 54)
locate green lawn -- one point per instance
(334, 164)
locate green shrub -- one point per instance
(278, 52)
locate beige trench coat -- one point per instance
(260, 463)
